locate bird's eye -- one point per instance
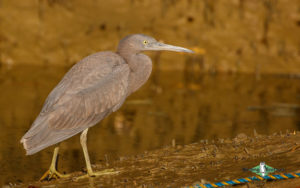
(145, 42)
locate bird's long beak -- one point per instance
(161, 46)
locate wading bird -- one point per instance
(92, 89)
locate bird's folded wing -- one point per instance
(89, 105)
(91, 90)
(85, 95)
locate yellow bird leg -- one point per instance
(90, 172)
(52, 173)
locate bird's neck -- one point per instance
(133, 58)
(127, 52)
(140, 66)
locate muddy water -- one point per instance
(181, 106)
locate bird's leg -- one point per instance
(83, 138)
(90, 173)
(52, 172)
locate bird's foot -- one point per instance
(95, 174)
(53, 174)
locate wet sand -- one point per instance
(201, 162)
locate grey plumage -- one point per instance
(92, 89)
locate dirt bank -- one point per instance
(238, 35)
(176, 166)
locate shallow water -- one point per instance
(184, 106)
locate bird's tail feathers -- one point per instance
(41, 136)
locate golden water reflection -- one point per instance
(184, 106)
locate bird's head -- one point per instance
(138, 42)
